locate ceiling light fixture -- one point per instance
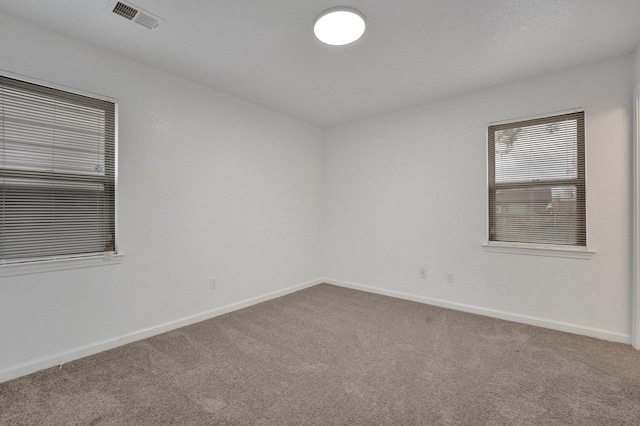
(340, 25)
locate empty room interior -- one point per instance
(434, 223)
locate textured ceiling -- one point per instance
(413, 51)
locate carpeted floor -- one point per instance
(333, 356)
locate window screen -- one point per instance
(537, 181)
(57, 173)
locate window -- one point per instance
(537, 181)
(57, 173)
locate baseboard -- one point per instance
(509, 316)
(94, 348)
(97, 347)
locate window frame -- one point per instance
(532, 248)
(29, 265)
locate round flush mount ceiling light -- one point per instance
(338, 26)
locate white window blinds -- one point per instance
(537, 181)
(57, 173)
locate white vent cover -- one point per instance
(135, 14)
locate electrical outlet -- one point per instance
(213, 283)
(423, 274)
(451, 277)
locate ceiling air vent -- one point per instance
(136, 14)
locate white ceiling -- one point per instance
(413, 51)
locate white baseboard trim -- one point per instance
(97, 347)
(612, 336)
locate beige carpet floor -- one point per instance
(333, 356)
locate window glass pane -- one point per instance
(539, 152)
(75, 222)
(44, 134)
(543, 215)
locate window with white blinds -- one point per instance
(57, 173)
(537, 181)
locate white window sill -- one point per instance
(9, 269)
(539, 250)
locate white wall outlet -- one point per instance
(451, 277)
(423, 274)
(213, 283)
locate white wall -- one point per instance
(209, 185)
(407, 190)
